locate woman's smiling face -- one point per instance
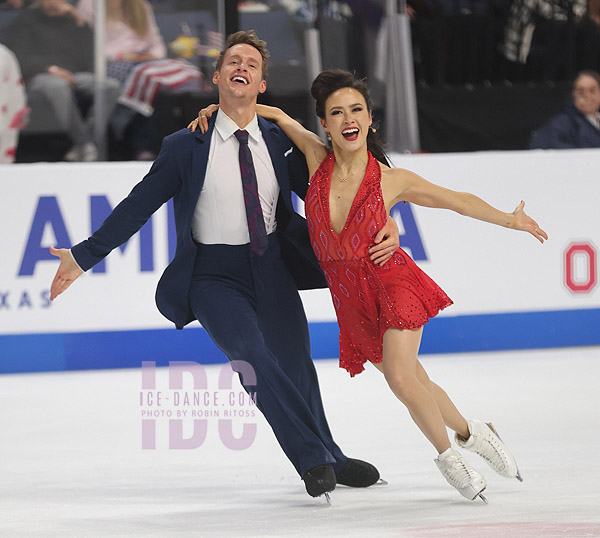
(347, 119)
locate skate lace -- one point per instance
(488, 447)
(458, 473)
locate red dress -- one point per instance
(368, 299)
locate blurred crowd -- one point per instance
(53, 44)
(455, 42)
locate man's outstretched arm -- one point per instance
(159, 184)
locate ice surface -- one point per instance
(72, 463)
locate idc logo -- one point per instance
(177, 408)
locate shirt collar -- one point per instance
(226, 126)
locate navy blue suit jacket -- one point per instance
(569, 129)
(178, 173)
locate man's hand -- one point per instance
(67, 272)
(387, 241)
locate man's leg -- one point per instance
(283, 323)
(284, 326)
(222, 298)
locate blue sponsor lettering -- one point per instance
(411, 238)
(25, 300)
(100, 208)
(45, 295)
(47, 213)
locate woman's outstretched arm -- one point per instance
(401, 184)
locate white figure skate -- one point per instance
(461, 475)
(485, 441)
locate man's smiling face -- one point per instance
(241, 72)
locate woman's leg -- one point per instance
(409, 382)
(478, 437)
(452, 417)
(399, 366)
(450, 414)
(485, 442)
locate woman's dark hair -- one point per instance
(330, 81)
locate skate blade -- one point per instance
(328, 498)
(519, 477)
(380, 482)
(482, 497)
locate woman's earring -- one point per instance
(329, 137)
(373, 130)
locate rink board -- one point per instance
(509, 291)
(127, 349)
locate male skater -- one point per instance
(242, 253)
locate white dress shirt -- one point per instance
(594, 119)
(220, 214)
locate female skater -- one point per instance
(381, 310)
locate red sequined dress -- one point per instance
(368, 299)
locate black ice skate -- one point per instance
(358, 474)
(320, 480)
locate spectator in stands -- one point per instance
(578, 126)
(13, 108)
(588, 37)
(55, 49)
(137, 58)
(539, 35)
(11, 4)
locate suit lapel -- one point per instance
(200, 159)
(273, 139)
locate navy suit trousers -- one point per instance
(251, 309)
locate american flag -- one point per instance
(215, 40)
(144, 82)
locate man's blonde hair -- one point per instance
(247, 37)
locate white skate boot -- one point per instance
(461, 475)
(485, 441)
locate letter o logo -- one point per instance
(580, 267)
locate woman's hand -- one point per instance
(525, 223)
(202, 120)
